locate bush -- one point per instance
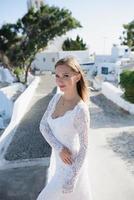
(73, 45)
(127, 83)
(18, 72)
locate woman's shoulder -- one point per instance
(82, 114)
(82, 108)
(83, 105)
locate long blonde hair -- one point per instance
(82, 84)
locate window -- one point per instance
(53, 59)
(104, 70)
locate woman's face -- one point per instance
(66, 78)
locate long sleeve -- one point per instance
(46, 130)
(81, 123)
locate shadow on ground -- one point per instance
(22, 183)
(28, 142)
(123, 145)
(106, 114)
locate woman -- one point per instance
(65, 126)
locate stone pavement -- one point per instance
(28, 142)
(112, 129)
(19, 180)
(23, 183)
(111, 150)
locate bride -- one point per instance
(65, 126)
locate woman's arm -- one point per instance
(81, 124)
(46, 130)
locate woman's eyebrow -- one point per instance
(63, 73)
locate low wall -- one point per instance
(6, 106)
(6, 94)
(19, 109)
(114, 94)
(10, 90)
(22, 102)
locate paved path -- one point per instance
(28, 141)
(24, 174)
(111, 137)
(111, 153)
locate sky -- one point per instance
(102, 21)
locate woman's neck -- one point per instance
(71, 96)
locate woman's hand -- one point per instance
(65, 155)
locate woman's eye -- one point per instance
(66, 75)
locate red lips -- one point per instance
(61, 86)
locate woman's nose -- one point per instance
(60, 80)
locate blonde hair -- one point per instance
(82, 84)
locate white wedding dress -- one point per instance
(67, 182)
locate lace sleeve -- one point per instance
(46, 130)
(81, 123)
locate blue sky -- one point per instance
(101, 20)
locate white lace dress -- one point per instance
(67, 182)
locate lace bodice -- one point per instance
(80, 122)
(46, 130)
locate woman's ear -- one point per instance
(78, 77)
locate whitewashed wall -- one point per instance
(6, 95)
(19, 109)
(6, 76)
(114, 94)
(6, 106)
(81, 56)
(104, 58)
(46, 60)
(112, 71)
(12, 89)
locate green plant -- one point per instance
(127, 83)
(21, 41)
(77, 44)
(18, 71)
(128, 35)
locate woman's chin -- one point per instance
(62, 88)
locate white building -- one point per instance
(45, 61)
(6, 76)
(109, 66)
(36, 4)
(119, 51)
